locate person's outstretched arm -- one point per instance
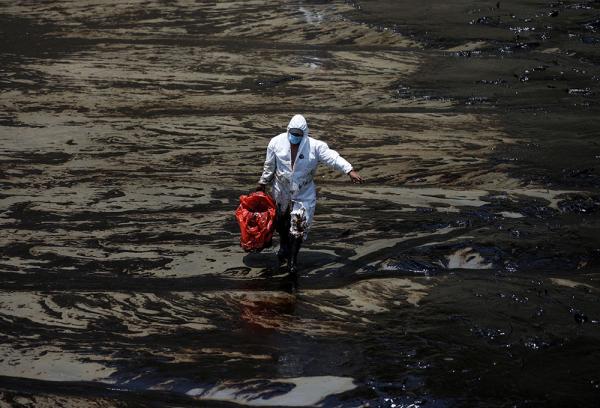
(268, 168)
(334, 160)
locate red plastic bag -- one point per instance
(256, 217)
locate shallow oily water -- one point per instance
(463, 273)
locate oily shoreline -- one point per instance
(464, 273)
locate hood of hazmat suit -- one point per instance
(294, 187)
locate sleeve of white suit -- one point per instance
(269, 166)
(333, 159)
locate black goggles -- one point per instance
(296, 132)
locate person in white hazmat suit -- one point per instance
(291, 163)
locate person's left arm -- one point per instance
(334, 160)
(268, 168)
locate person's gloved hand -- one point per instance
(260, 187)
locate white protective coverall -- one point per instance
(294, 186)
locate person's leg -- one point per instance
(295, 244)
(283, 228)
(298, 227)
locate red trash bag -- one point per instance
(256, 217)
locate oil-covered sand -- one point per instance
(463, 273)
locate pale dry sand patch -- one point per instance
(92, 307)
(8, 399)
(466, 258)
(306, 391)
(570, 283)
(378, 244)
(195, 355)
(423, 148)
(469, 46)
(419, 197)
(51, 363)
(209, 260)
(374, 295)
(209, 78)
(511, 214)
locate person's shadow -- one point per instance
(307, 261)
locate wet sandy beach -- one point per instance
(463, 273)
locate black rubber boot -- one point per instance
(283, 228)
(284, 250)
(295, 244)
